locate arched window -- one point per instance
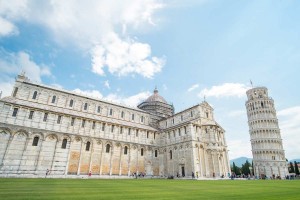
(110, 111)
(15, 92)
(71, 103)
(35, 141)
(87, 147)
(142, 119)
(107, 148)
(85, 106)
(99, 109)
(191, 113)
(64, 144)
(171, 154)
(132, 117)
(53, 99)
(122, 114)
(262, 104)
(155, 153)
(125, 150)
(34, 95)
(142, 152)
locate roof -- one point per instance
(155, 97)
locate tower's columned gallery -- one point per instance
(47, 129)
(267, 150)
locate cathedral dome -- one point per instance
(155, 97)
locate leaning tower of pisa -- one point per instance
(268, 154)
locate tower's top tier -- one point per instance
(257, 93)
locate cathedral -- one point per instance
(45, 130)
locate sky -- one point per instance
(121, 50)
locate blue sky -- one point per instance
(121, 50)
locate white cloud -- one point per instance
(289, 123)
(123, 57)
(7, 28)
(12, 64)
(90, 93)
(193, 87)
(99, 26)
(106, 84)
(225, 90)
(131, 100)
(238, 148)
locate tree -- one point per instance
(245, 168)
(296, 168)
(291, 168)
(236, 169)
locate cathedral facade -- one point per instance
(64, 134)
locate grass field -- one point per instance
(147, 189)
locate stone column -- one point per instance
(120, 162)
(68, 161)
(101, 158)
(110, 161)
(79, 163)
(25, 146)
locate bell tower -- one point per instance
(267, 150)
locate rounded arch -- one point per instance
(51, 137)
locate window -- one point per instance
(166, 123)
(31, 114)
(179, 132)
(155, 153)
(94, 124)
(191, 113)
(273, 157)
(72, 121)
(137, 133)
(171, 154)
(53, 99)
(15, 92)
(71, 103)
(262, 104)
(83, 123)
(184, 130)
(206, 114)
(99, 109)
(45, 117)
(142, 152)
(132, 117)
(110, 111)
(129, 130)
(15, 112)
(107, 148)
(147, 134)
(87, 146)
(142, 118)
(59, 119)
(112, 128)
(125, 150)
(121, 130)
(35, 141)
(169, 135)
(34, 95)
(103, 127)
(174, 134)
(122, 114)
(154, 136)
(85, 106)
(64, 144)
(181, 118)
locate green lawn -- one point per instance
(147, 189)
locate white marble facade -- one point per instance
(43, 128)
(267, 150)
